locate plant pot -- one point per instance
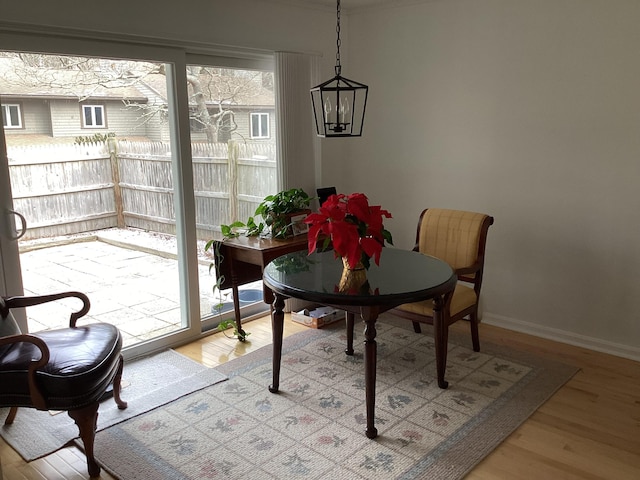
(353, 280)
(288, 225)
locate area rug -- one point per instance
(314, 428)
(148, 383)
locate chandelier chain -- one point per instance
(338, 42)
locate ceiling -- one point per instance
(349, 5)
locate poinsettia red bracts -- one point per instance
(355, 228)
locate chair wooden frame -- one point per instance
(85, 415)
(471, 274)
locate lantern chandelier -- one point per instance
(339, 103)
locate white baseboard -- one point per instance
(562, 336)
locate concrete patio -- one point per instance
(131, 278)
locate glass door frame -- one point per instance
(10, 273)
(175, 58)
(210, 320)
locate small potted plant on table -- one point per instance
(277, 212)
(279, 209)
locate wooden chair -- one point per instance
(458, 238)
(67, 369)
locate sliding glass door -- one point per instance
(92, 152)
(233, 145)
(124, 159)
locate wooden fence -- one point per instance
(69, 189)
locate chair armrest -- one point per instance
(36, 395)
(473, 269)
(20, 302)
(461, 272)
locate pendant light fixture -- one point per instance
(339, 103)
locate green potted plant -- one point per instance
(276, 211)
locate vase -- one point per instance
(353, 280)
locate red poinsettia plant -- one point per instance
(354, 228)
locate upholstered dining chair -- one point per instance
(459, 238)
(68, 369)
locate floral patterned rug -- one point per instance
(36, 433)
(314, 428)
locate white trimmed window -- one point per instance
(93, 116)
(11, 116)
(259, 125)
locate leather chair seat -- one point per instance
(65, 369)
(82, 363)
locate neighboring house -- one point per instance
(57, 105)
(59, 115)
(250, 114)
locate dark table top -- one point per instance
(403, 276)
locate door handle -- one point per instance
(23, 225)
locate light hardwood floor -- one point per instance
(590, 429)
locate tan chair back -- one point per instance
(451, 235)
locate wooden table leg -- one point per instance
(350, 325)
(236, 310)
(370, 359)
(277, 329)
(441, 334)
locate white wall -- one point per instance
(526, 110)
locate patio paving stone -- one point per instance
(132, 289)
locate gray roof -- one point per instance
(113, 84)
(62, 84)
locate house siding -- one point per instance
(35, 117)
(125, 121)
(243, 120)
(120, 120)
(67, 118)
(156, 130)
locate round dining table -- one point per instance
(402, 276)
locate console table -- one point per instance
(244, 259)
(403, 276)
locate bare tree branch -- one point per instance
(213, 92)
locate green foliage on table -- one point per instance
(275, 211)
